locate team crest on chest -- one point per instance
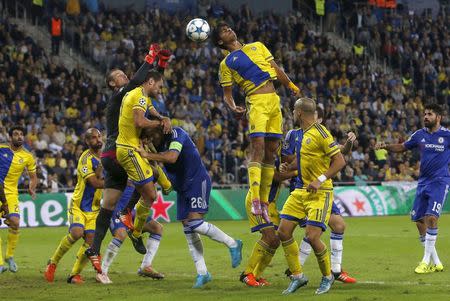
(20, 160)
(308, 140)
(441, 139)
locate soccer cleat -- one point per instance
(423, 268)
(126, 217)
(438, 267)
(138, 244)
(201, 280)
(325, 285)
(296, 283)
(344, 277)
(12, 265)
(236, 254)
(103, 278)
(49, 273)
(150, 272)
(249, 279)
(263, 282)
(3, 269)
(75, 279)
(95, 259)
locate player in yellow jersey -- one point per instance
(318, 159)
(14, 159)
(83, 209)
(132, 121)
(252, 67)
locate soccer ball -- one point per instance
(197, 30)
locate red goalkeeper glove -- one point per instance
(152, 53)
(164, 56)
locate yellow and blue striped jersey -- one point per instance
(249, 67)
(86, 197)
(12, 165)
(314, 148)
(128, 133)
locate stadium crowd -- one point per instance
(56, 105)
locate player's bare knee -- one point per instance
(271, 239)
(283, 234)
(257, 149)
(431, 221)
(121, 234)
(77, 233)
(337, 224)
(14, 223)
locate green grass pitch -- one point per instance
(381, 252)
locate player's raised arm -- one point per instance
(170, 156)
(164, 121)
(284, 79)
(153, 54)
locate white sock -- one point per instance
(152, 247)
(110, 254)
(305, 250)
(430, 241)
(196, 248)
(336, 246)
(205, 228)
(422, 240)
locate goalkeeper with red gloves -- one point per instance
(115, 176)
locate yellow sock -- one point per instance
(11, 243)
(264, 261)
(267, 172)
(323, 259)
(81, 261)
(64, 246)
(254, 179)
(163, 181)
(258, 253)
(291, 253)
(1, 253)
(142, 213)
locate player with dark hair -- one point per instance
(14, 159)
(253, 68)
(115, 176)
(433, 142)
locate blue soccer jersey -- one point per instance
(434, 178)
(435, 154)
(288, 150)
(189, 166)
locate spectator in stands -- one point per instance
(56, 31)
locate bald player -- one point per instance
(83, 209)
(318, 159)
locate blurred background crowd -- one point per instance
(396, 62)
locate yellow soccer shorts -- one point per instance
(13, 205)
(315, 208)
(257, 223)
(79, 218)
(264, 115)
(139, 171)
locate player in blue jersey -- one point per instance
(336, 222)
(192, 183)
(118, 230)
(433, 142)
